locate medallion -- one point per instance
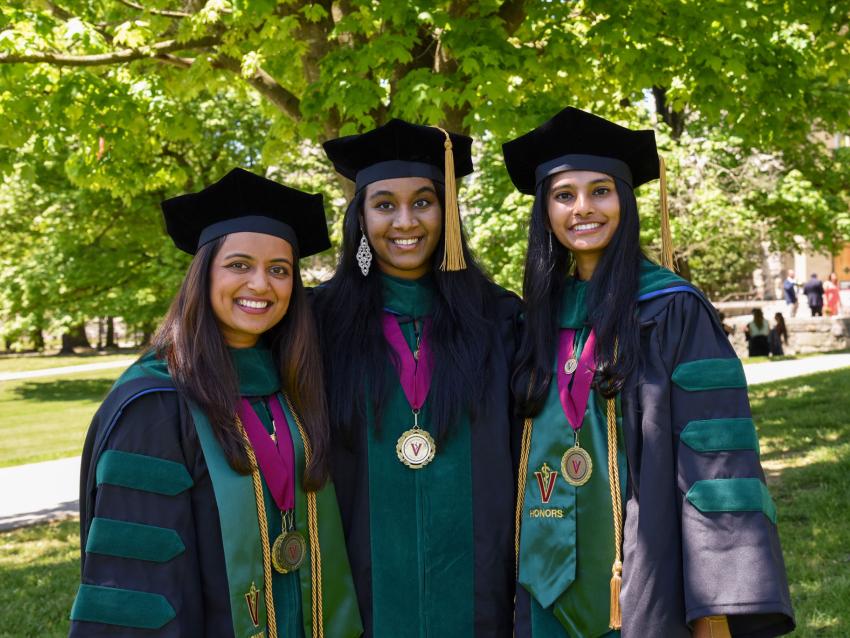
(570, 366)
(288, 552)
(415, 448)
(576, 466)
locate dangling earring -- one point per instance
(364, 255)
(550, 245)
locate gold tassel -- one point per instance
(666, 238)
(615, 620)
(453, 256)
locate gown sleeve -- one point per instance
(152, 556)
(731, 556)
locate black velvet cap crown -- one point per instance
(398, 149)
(576, 140)
(244, 202)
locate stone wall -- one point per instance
(805, 334)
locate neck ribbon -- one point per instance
(414, 374)
(276, 459)
(574, 387)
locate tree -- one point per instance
(145, 100)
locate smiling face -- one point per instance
(403, 220)
(251, 281)
(584, 213)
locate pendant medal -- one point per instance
(576, 466)
(288, 552)
(290, 548)
(415, 448)
(570, 366)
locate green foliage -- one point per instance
(108, 108)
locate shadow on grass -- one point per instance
(64, 390)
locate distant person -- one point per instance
(727, 329)
(814, 293)
(831, 296)
(756, 333)
(789, 288)
(777, 336)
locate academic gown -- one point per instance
(700, 536)
(432, 549)
(169, 532)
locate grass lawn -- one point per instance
(25, 363)
(804, 430)
(804, 426)
(46, 418)
(40, 569)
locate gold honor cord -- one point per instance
(527, 425)
(264, 530)
(616, 617)
(313, 532)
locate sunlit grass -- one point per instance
(40, 570)
(47, 417)
(804, 431)
(25, 363)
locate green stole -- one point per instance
(234, 493)
(420, 520)
(567, 544)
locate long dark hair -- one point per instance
(190, 340)
(611, 303)
(349, 308)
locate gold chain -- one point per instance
(313, 531)
(264, 530)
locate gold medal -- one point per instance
(415, 448)
(570, 366)
(576, 466)
(288, 552)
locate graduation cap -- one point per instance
(401, 149)
(244, 202)
(574, 140)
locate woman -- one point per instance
(631, 392)
(832, 296)
(417, 345)
(778, 335)
(757, 332)
(202, 511)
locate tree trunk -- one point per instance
(674, 119)
(683, 267)
(74, 337)
(37, 338)
(110, 333)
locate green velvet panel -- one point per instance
(141, 472)
(710, 374)
(123, 607)
(133, 540)
(732, 495)
(720, 435)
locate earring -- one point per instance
(364, 255)
(550, 245)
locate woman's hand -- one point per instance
(712, 627)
